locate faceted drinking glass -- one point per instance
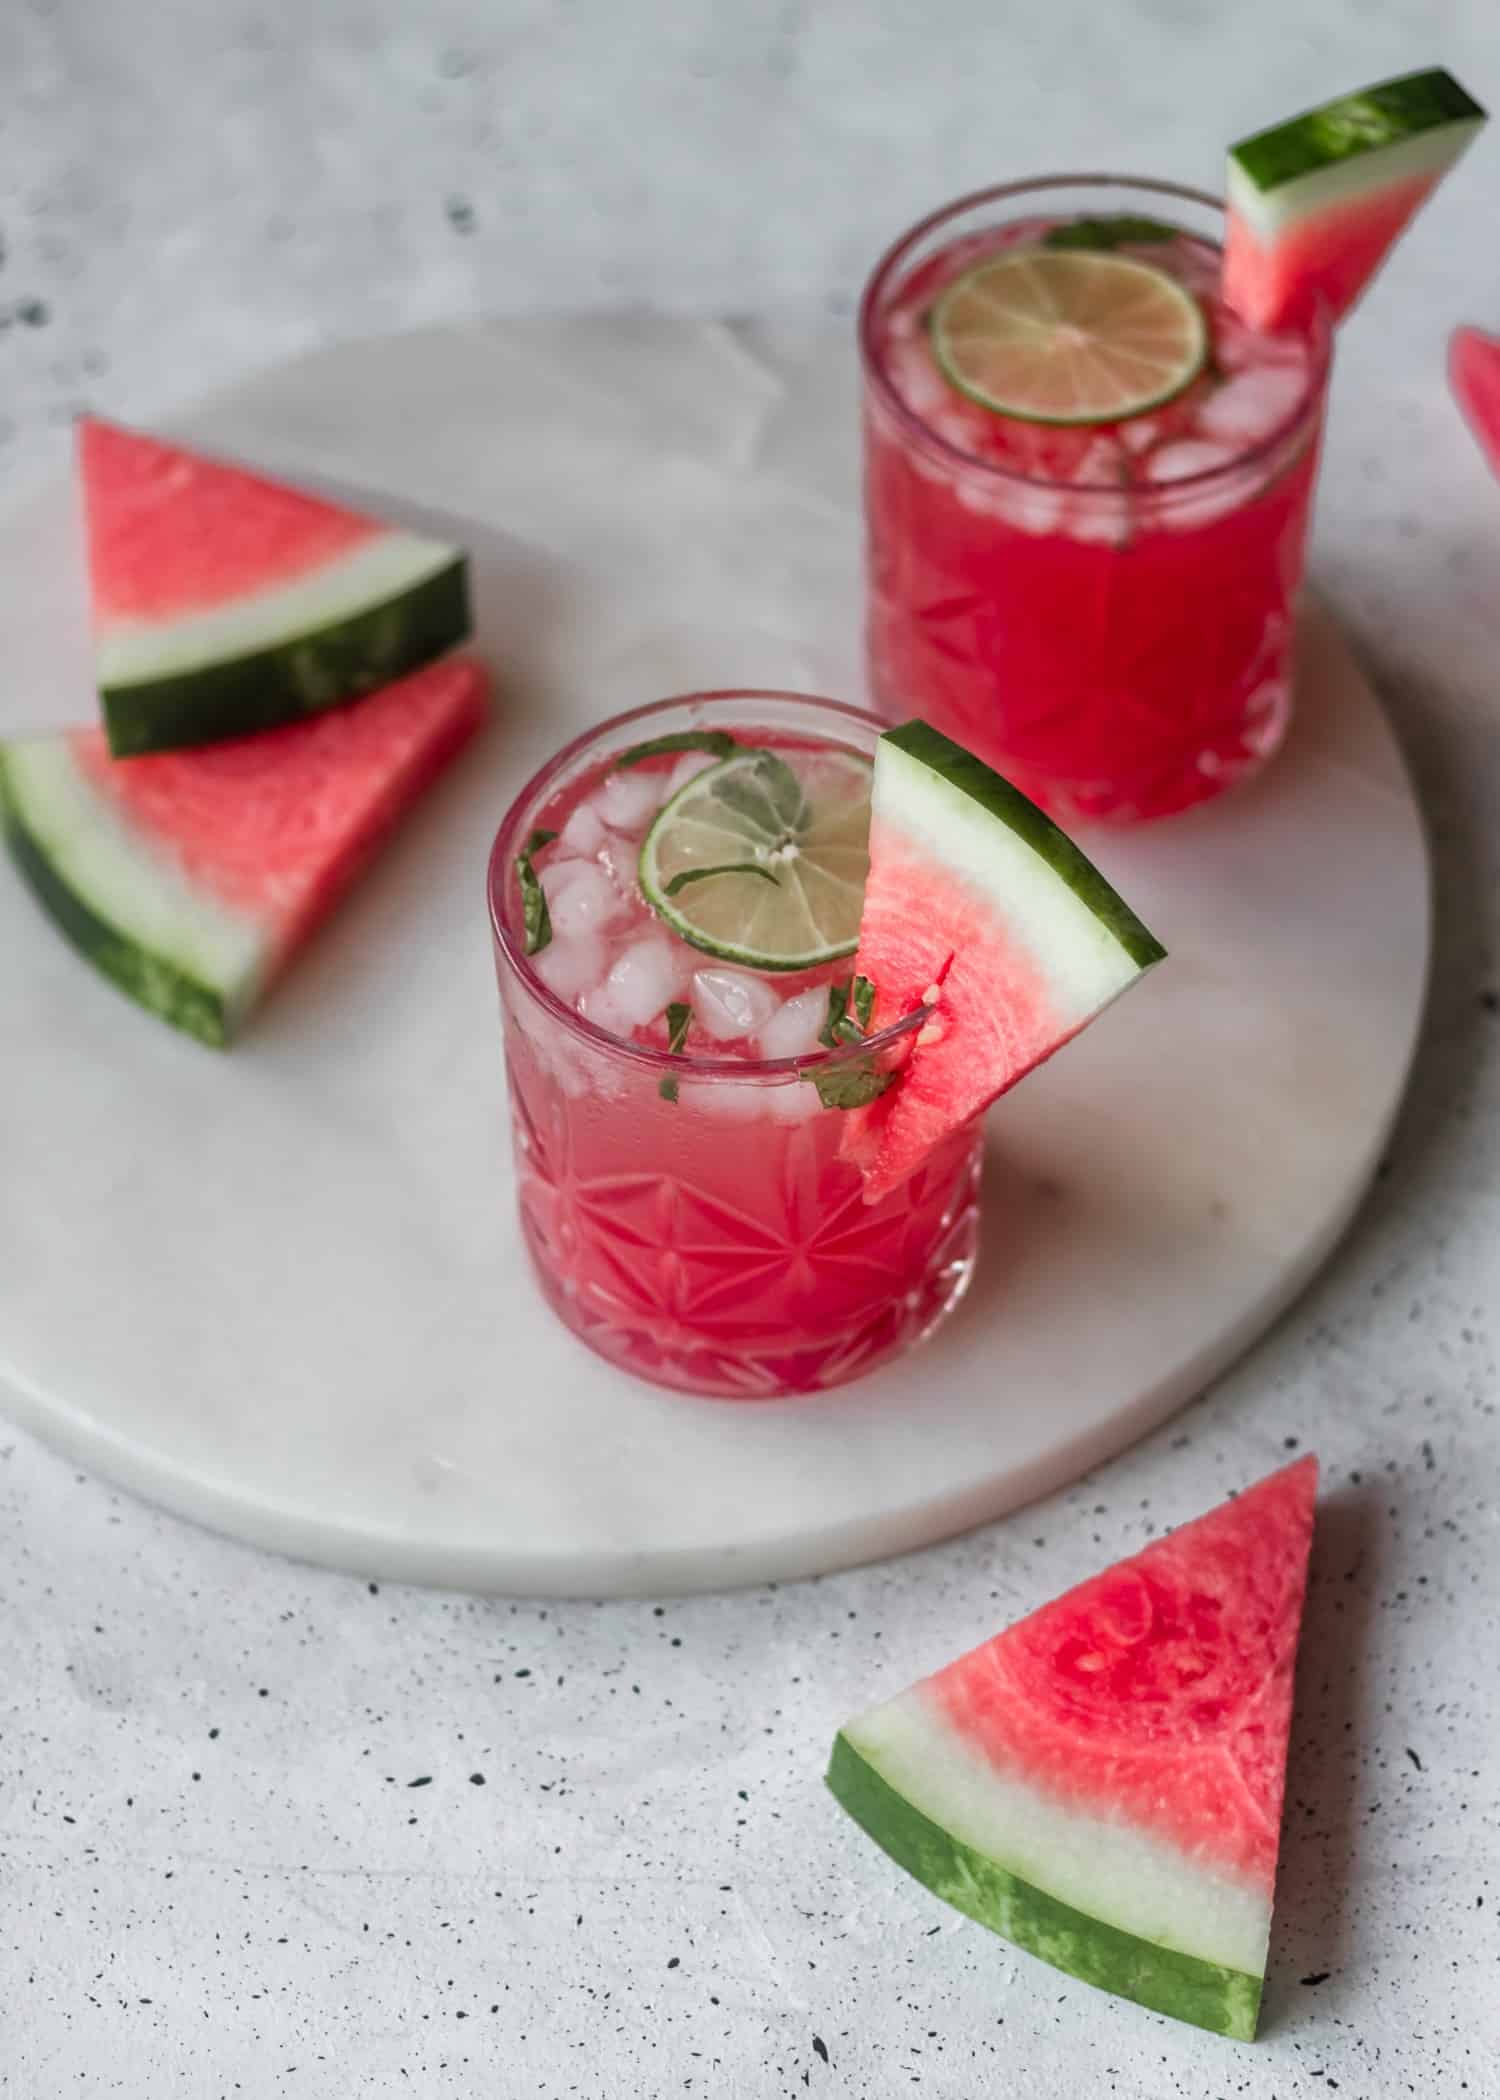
(1119, 651)
(690, 1218)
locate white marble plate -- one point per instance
(282, 1291)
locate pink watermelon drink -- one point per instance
(1102, 1782)
(1090, 584)
(748, 1154)
(680, 1070)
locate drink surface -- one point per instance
(1103, 612)
(690, 1217)
(615, 962)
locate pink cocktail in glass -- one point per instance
(1104, 613)
(687, 1211)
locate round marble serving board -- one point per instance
(282, 1291)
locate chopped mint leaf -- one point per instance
(734, 867)
(679, 1020)
(1116, 231)
(854, 1084)
(838, 1008)
(717, 742)
(862, 998)
(534, 914)
(783, 789)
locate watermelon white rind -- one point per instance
(1316, 203)
(972, 889)
(1205, 1993)
(190, 878)
(361, 624)
(226, 603)
(130, 913)
(1102, 1782)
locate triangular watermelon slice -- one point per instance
(1102, 1782)
(1315, 204)
(1474, 374)
(225, 603)
(975, 896)
(191, 877)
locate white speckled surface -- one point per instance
(186, 189)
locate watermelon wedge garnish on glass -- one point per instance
(1316, 203)
(1102, 1783)
(977, 906)
(1474, 374)
(191, 878)
(225, 603)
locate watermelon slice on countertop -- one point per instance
(191, 877)
(1316, 203)
(1102, 1783)
(225, 603)
(1474, 375)
(979, 906)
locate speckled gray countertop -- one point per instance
(265, 1830)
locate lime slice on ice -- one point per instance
(762, 860)
(1068, 336)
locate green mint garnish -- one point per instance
(733, 867)
(838, 1009)
(1113, 232)
(849, 1010)
(717, 742)
(770, 801)
(852, 1085)
(679, 1020)
(534, 914)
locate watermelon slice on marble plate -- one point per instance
(1315, 204)
(226, 603)
(977, 905)
(191, 878)
(1474, 375)
(1102, 1783)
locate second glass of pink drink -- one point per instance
(1102, 611)
(683, 1189)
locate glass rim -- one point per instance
(713, 1070)
(1155, 496)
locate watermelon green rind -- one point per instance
(284, 654)
(958, 772)
(162, 985)
(1430, 105)
(1206, 1994)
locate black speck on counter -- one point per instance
(33, 313)
(426, 1780)
(1414, 1757)
(476, 1779)
(820, 2047)
(1318, 1976)
(460, 214)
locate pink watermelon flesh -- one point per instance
(922, 928)
(1160, 1692)
(1474, 374)
(1325, 259)
(277, 826)
(979, 908)
(170, 532)
(1102, 1782)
